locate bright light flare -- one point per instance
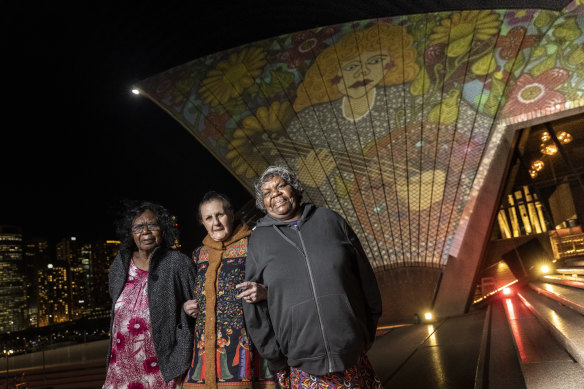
(545, 269)
(428, 316)
(507, 291)
(135, 91)
(564, 137)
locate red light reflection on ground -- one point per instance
(515, 329)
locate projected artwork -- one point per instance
(387, 121)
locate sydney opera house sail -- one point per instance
(392, 122)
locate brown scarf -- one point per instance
(216, 252)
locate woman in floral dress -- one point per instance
(151, 335)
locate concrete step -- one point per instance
(498, 365)
(570, 266)
(568, 280)
(565, 295)
(564, 323)
(546, 362)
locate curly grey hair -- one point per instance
(272, 171)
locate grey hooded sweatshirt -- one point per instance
(323, 299)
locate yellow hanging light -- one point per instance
(564, 137)
(537, 165)
(548, 148)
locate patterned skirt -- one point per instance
(361, 375)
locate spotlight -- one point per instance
(428, 316)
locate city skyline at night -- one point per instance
(41, 289)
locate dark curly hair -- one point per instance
(167, 222)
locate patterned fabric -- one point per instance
(133, 362)
(221, 266)
(359, 376)
(509, 66)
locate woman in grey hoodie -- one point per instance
(323, 300)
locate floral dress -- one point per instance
(133, 363)
(360, 376)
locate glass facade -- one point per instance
(12, 291)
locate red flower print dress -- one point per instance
(133, 363)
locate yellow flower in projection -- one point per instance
(243, 152)
(447, 111)
(462, 27)
(231, 76)
(484, 65)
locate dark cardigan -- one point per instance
(171, 280)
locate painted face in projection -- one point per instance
(361, 74)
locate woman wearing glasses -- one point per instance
(151, 335)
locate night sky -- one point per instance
(75, 141)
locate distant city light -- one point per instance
(73, 238)
(135, 91)
(50, 266)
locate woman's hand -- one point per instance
(252, 292)
(191, 308)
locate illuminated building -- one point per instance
(35, 257)
(69, 253)
(54, 295)
(12, 291)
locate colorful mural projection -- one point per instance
(387, 121)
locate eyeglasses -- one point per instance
(138, 228)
